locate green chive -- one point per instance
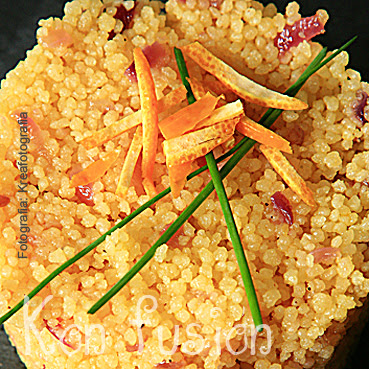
(183, 72)
(227, 212)
(243, 146)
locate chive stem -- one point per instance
(236, 241)
(226, 208)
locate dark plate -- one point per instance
(18, 22)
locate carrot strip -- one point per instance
(136, 181)
(263, 135)
(149, 107)
(186, 119)
(130, 162)
(108, 133)
(177, 177)
(225, 112)
(239, 84)
(95, 170)
(288, 173)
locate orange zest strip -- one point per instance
(149, 108)
(130, 162)
(185, 120)
(263, 135)
(95, 170)
(195, 144)
(108, 133)
(200, 88)
(197, 88)
(217, 87)
(192, 153)
(194, 138)
(229, 111)
(239, 84)
(177, 177)
(172, 99)
(288, 173)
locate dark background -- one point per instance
(18, 22)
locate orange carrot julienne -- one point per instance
(117, 128)
(95, 170)
(263, 135)
(130, 163)
(239, 84)
(136, 181)
(149, 108)
(177, 177)
(288, 173)
(186, 119)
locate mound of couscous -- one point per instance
(187, 308)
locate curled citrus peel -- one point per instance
(193, 145)
(186, 119)
(239, 84)
(95, 170)
(130, 162)
(197, 87)
(149, 108)
(223, 113)
(288, 173)
(117, 128)
(195, 152)
(263, 135)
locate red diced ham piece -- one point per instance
(85, 194)
(56, 38)
(325, 254)
(156, 55)
(283, 206)
(133, 348)
(102, 105)
(174, 240)
(33, 129)
(58, 332)
(359, 106)
(124, 15)
(4, 200)
(303, 29)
